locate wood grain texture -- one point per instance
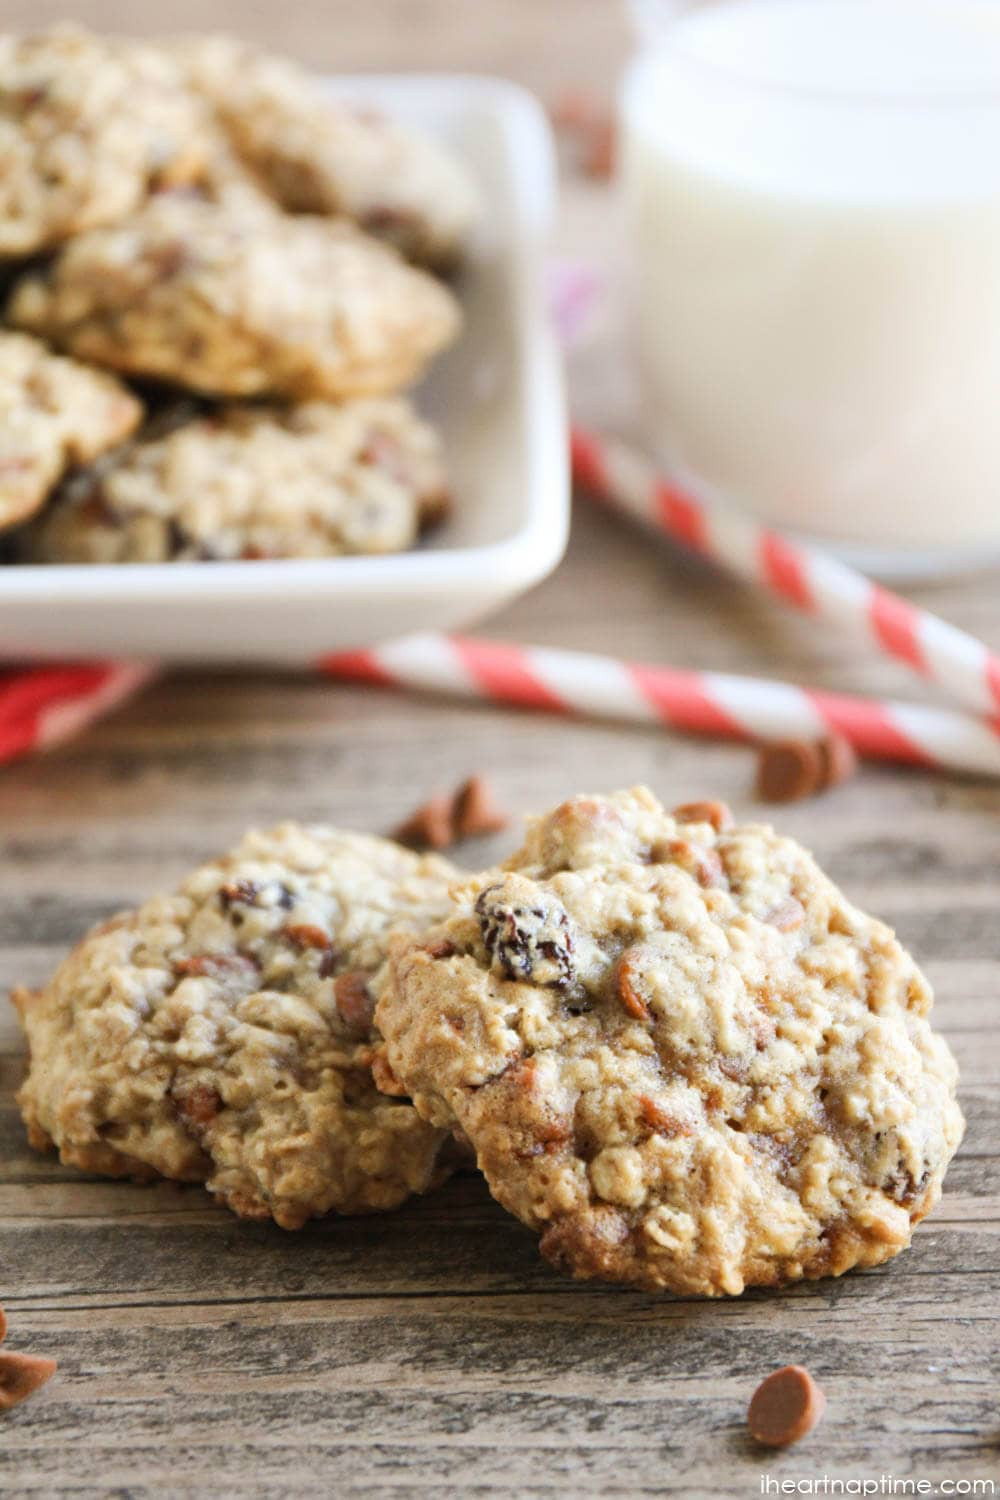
(430, 1352)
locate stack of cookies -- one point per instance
(220, 281)
(671, 1045)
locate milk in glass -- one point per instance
(813, 190)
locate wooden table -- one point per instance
(430, 1352)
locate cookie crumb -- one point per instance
(475, 810)
(384, 1078)
(21, 1375)
(785, 1407)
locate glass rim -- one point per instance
(658, 39)
(944, 99)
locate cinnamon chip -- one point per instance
(468, 813)
(3, 1325)
(660, 1120)
(601, 149)
(789, 770)
(200, 1106)
(306, 935)
(430, 827)
(704, 864)
(214, 965)
(588, 125)
(575, 109)
(354, 1000)
(21, 1375)
(628, 992)
(785, 1407)
(840, 760)
(439, 948)
(717, 813)
(475, 810)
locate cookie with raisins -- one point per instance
(231, 303)
(223, 1034)
(250, 481)
(322, 155)
(680, 1054)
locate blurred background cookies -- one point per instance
(204, 217)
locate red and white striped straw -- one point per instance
(960, 665)
(714, 703)
(42, 706)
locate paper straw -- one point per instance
(713, 703)
(43, 706)
(805, 577)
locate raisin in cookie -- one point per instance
(241, 305)
(87, 126)
(253, 482)
(678, 1051)
(54, 413)
(224, 1033)
(320, 155)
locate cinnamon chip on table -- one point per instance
(840, 760)
(21, 1375)
(475, 810)
(589, 125)
(468, 813)
(788, 770)
(785, 1407)
(602, 150)
(429, 826)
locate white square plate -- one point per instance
(498, 396)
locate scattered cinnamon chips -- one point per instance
(470, 812)
(788, 770)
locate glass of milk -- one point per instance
(813, 195)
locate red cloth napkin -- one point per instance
(40, 706)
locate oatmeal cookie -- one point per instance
(253, 482)
(321, 155)
(54, 413)
(226, 180)
(87, 126)
(224, 1033)
(241, 304)
(678, 1051)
